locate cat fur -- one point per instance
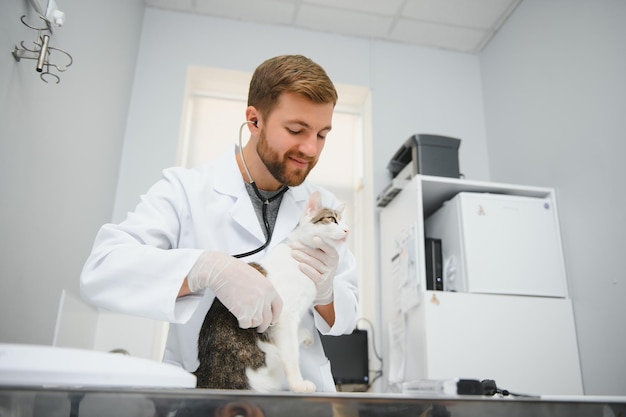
(235, 358)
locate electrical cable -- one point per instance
(490, 388)
(377, 372)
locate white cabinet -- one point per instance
(503, 244)
(526, 343)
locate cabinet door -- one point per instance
(526, 344)
(511, 245)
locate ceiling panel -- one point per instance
(458, 25)
(483, 14)
(386, 7)
(343, 21)
(259, 11)
(440, 36)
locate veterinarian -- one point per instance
(193, 233)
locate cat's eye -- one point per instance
(326, 219)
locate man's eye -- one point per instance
(294, 132)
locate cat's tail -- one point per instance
(270, 377)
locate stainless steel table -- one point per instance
(87, 402)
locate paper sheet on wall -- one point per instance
(405, 270)
(397, 349)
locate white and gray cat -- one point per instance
(235, 358)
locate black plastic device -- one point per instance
(348, 356)
(434, 264)
(430, 155)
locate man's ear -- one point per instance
(252, 115)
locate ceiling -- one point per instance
(459, 25)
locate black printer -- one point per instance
(430, 155)
(423, 154)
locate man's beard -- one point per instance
(277, 165)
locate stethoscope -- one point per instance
(266, 201)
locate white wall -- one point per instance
(555, 104)
(414, 89)
(421, 90)
(60, 146)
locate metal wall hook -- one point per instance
(33, 27)
(42, 52)
(43, 76)
(69, 57)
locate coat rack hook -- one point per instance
(41, 52)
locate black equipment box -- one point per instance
(429, 154)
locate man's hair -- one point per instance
(289, 74)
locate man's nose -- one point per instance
(308, 146)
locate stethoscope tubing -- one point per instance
(266, 201)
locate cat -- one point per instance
(235, 358)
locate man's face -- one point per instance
(293, 136)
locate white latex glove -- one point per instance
(319, 264)
(243, 290)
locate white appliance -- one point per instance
(35, 365)
(500, 244)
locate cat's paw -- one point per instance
(302, 386)
(305, 336)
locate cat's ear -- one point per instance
(314, 203)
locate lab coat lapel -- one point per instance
(291, 210)
(230, 182)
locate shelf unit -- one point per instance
(526, 343)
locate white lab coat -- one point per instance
(137, 266)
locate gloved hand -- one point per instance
(243, 290)
(319, 264)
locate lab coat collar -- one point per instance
(228, 180)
